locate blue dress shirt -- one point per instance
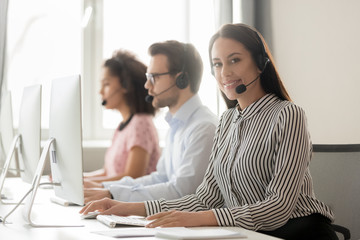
(184, 159)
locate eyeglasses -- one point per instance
(151, 76)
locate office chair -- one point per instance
(336, 182)
(342, 230)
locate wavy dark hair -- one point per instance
(255, 44)
(131, 74)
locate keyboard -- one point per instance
(113, 221)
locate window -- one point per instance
(48, 39)
(43, 42)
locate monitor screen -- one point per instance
(65, 127)
(29, 131)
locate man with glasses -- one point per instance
(173, 80)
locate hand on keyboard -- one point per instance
(90, 215)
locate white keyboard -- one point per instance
(113, 220)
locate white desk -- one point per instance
(46, 212)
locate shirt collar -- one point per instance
(256, 106)
(185, 111)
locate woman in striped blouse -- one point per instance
(258, 177)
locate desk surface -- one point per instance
(46, 212)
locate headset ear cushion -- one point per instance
(262, 62)
(182, 81)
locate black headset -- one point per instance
(182, 81)
(262, 60)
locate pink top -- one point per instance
(140, 132)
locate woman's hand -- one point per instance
(182, 219)
(108, 206)
(96, 173)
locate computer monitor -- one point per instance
(30, 132)
(27, 141)
(64, 147)
(65, 127)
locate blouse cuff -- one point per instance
(224, 217)
(153, 207)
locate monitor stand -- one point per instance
(62, 201)
(5, 168)
(35, 186)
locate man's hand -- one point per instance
(92, 184)
(91, 194)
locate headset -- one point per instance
(182, 81)
(262, 60)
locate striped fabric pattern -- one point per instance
(258, 176)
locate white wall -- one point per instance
(93, 156)
(316, 45)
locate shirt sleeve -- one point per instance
(184, 180)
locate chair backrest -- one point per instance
(336, 178)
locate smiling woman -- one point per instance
(260, 146)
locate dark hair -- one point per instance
(181, 56)
(131, 74)
(255, 44)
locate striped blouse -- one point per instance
(258, 176)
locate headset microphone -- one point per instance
(150, 98)
(242, 88)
